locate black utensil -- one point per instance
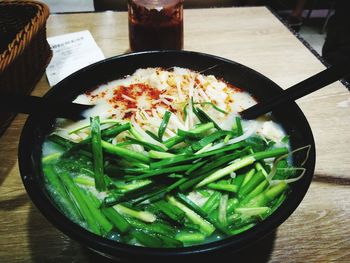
(299, 90)
(40, 106)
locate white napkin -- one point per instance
(71, 52)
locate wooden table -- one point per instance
(318, 231)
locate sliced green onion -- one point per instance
(51, 158)
(223, 209)
(164, 124)
(65, 202)
(170, 210)
(153, 136)
(122, 152)
(116, 219)
(64, 143)
(204, 118)
(183, 158)
(213, 105)
(141, 215)
(251, 184)
(84, 180)
(115, 130)
(247, 176)
(239, 126)
(242, 229)
(177, 139)
(259, 189)
(184, 110)
(195, 167)
(268, 195)
(147, 145)
(223, 187)
(169, 241)
(81, 202)
(128, 187)
(168, 170)
(253, 211)
(192, 205)
(227, 138)
(204, 225)
(188, 134)
(97, 153)
(240, 163)
(146, 239)
(212, 203)
(190, 237)
(158, 227)
(209, 139)
(88, 125)
(285, 139)
(160, 154)
(94, 205)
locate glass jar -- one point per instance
(155, 24)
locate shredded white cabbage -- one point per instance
(143, 98)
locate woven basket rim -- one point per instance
(24, 36)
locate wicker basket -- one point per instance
(24, 51)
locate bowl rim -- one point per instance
(114, 248)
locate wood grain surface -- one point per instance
(318, 231)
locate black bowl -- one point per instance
(36, 129)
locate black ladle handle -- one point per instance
(299, 90)
(40, 106)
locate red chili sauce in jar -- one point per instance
(155, 24)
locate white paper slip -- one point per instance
(71, 52)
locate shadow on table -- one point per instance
(13, 203)
(7, 164)
(9, 147)
(47, 244)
